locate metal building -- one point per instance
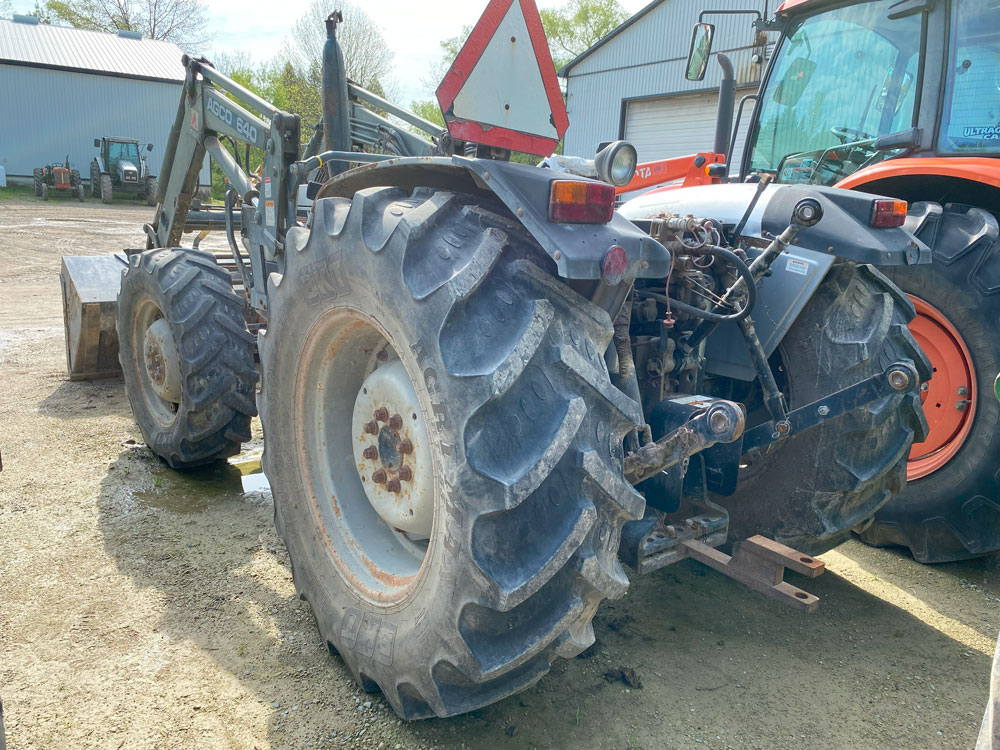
(61, 87)
(631, 83)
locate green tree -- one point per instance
(577, 26)
(367, 57)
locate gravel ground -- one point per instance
(141, 608)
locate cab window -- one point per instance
(971, 119)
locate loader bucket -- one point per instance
(90, 286)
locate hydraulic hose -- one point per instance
(713, 315)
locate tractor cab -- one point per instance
(852, 86)
(123, 158)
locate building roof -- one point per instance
(564, 71)
(96, 52)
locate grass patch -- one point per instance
(16, 193)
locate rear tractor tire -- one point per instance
(95, 181)
(150, 191)
(950, 508)
(810, 491)
(444, 447)
(107, 191)
(37, 176)
(186, 355)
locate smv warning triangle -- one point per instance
(502, 88)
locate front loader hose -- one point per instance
(301, 169)
(231, 196)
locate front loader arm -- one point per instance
(211, 110)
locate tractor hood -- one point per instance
(128, 170)
(844, 230)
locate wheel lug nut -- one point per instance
(381, 414)
(405, 446)
(963, 391)
(405, 473)
(379, 476)
(370, 452)
(395, 422)
(393, 485)
(371, 428)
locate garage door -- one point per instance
(679, 125)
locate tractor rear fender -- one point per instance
(577, 249)
(843, 232)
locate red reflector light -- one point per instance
(613, 266)
(572, 202)
(888, 213)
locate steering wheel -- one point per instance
(849, 135)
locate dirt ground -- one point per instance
(140, 608)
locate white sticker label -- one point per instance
(269, 213)
(267, 187)
(796, 265)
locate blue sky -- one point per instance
(413, 29)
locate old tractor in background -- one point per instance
(53, 179)
(482, 387)
(901, 99)
(119, 168)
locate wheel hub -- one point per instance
(161, 361)
(949, 398)
(392, 452)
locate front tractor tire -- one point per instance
(37, 177)
(186, 355)
(444, 447)
(810, 491)
(950, 508)
(107, 190)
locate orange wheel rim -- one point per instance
(948, 398)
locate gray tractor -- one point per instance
(118, 167)
(482, 388)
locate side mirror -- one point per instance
(793, 83)
(149, 146)
(701, 48)
(97, 143)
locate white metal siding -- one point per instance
(51, 113)
(679, 125)
(648, 59)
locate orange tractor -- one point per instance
(900, 99)
(59, 178)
